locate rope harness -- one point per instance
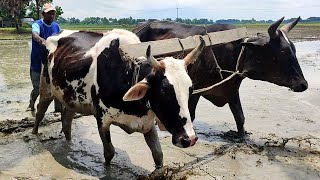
(138, 61)
(136, 70)
(236, 72)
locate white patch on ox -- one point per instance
(86, 89)
(52, 41)
(285, 36)
(129, 123)
(178, 77)
(125, 37)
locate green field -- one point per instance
(25, 33)
(96, 27)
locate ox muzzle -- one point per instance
(299, 86)
(184, 141)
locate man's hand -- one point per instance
(38, 39)
(42, 41)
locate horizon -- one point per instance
(190, 9)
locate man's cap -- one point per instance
(48, 7)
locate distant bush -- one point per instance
(26, 25)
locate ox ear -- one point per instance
(261, 35)
(136, 92)
(250, 44)
(255, 42)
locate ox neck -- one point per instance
(245, 58)
(239, 63)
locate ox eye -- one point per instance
(257, 59)
(283, 51)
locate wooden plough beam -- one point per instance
(168, 46)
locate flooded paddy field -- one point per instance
(283, 127)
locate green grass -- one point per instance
(96, 27)
(13, 34)
(267, 25)
(25, 33)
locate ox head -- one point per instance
(168, 88)
(273, 58)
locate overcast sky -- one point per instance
(210, 9)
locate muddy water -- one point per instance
(15, 84)
(282, 143)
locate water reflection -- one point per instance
(15, 84)
(14, 62)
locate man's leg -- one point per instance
(35, 80)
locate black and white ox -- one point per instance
(86, 73)
(268, 58)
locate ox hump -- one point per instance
(52, 41)
(124, 36)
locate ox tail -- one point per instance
(45, 72)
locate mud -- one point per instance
(282, 140)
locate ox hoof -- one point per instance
(67, 136)
(159, 166)
(34, 131)
(234, 136)
(107, 164)
(30, 108)
(164, 171)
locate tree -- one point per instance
(15, 8)
(73, 20)
(35, 7)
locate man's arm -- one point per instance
(37, 38)
(35, 34)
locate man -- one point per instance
(41, 30)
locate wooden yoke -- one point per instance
(169, 46)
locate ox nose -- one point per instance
(186, 141)
(301, 87)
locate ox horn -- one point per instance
(152, 61)
(286, 28)
(194, 54)
(272, 30)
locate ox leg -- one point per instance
(41, 110)
(236, 109)
(152, 140)
(66, 118)
(193, 101)
(105, 136)
(44, 101)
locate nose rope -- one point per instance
(233, 73)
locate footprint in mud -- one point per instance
(233, 136)
(166, 173)
(10, 126)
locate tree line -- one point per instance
(15, 10)
(132, 21)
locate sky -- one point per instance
(209, 9)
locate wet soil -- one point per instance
(282, 141)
